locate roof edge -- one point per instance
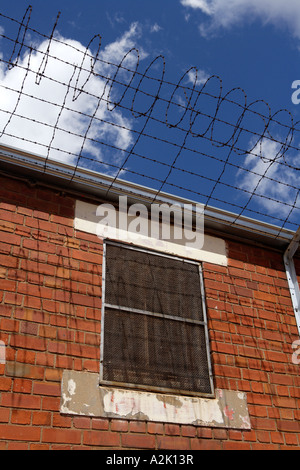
(88, 183)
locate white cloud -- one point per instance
(227, 13)
(202, 4)
(271, 181)
(46, 114)
(198, 78)
(115, 51)
(155, 28)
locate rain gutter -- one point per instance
(292, 275)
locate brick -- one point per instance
(22, 385)
(205, 444)
(64, 362)
(38, 245)
(288, 426)
(17, 400)
(8, 261)
(51, 306)
(227, 371)
(55, 347)
(26, 342)
(87, 257)
(41, 418)
(11, 239)
(173, 442)
(241, 291)
(265, 297)
(286, 413)
(53, 375)
(235, 435)
(8, 285)
(6, 249)
(255, 375)
(5, 384)
(20, 417)
(63, 436)
(39, 447)
(32, 302)
(204, 433)
(81, 422)
(172, 429)
(12, 217)
(39, 214)
(291, 439)
(220, 434)
(275, 356)
(276, 438)
(82, 351)
(62, 421)
(47, 331)
(4, 415)
(188, 431)
(101, 438)
(100, 423)
(21, 433)
(51, 403)
(6, 310)
(281, 379)
(47, 389)
(236, 446)
(138, 441)
(25, 356)
(65, 335)
(9, 325)
(137, 426)
(263, 436)
(285, 402)
(27, 314)
(264, 424)
(29, 328)
(33, 266)
(61, 220)
(155, 428)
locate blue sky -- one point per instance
(251, 44)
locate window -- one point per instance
(154, 330)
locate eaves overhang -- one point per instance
(88, 184)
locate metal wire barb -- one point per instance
(116, 115)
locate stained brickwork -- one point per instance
(50, 320)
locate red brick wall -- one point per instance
(50, 320)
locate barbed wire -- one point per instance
(128, 120)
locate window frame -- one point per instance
(203, 323)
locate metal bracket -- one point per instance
(292, 275)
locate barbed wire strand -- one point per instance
(177, 130)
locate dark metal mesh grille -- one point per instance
(145, 349)
(153, 283)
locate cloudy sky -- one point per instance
(252, 45)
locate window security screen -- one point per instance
(154, 335)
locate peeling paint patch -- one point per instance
(82, 395)
(229, 412)
(71, 387)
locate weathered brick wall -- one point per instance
(252, 328)
(50, 320)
